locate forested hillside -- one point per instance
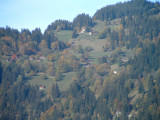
(105, 67)
(131, 8)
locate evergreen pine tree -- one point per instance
(55, 91)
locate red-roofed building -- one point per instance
(14, 57)
(41, 87)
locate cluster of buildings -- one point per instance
(92, 32)
(88, 63)
(41, 58)
(118, 114)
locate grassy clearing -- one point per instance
(38, 80)
(96, 54)
(63, 84)
(100, 26)
(115, 67)
(86, 36)
(66, 82)
(134, 95)
(64, 35)
(156, 16)
(129, 53)
(95, 43)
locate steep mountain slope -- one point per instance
(105, 67)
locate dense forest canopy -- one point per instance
(101, 67)
(82, 20)
(60, 25)
(130, 8)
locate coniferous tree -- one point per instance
(1, 70)
(49, 37)
(141, 88)
(36, 35)
(82, 20)
(74, 34)
(55, 91)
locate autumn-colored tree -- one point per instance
(27, 66)
(51, 70)
(64, 64)
(97, 87)
(85, 55)
(7, 38)
(147, 42)
(121, 27)
(55, 46)
(128, 69)
(49, 37)
(65, 51)
(61, 63)
(25, 35)
(89, 74)
(58, 76)
(115, 104)
(107, 46)
(75, 64)
(6, 50)
(22, 48)
(74, 78)
(138, 51)
(103, 69)
(51, 57)
(105, 83)
(43, 45)
(68, 44)
(58, 28)
(32, 73)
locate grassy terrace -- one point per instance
(64, 35)
(63, 84)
